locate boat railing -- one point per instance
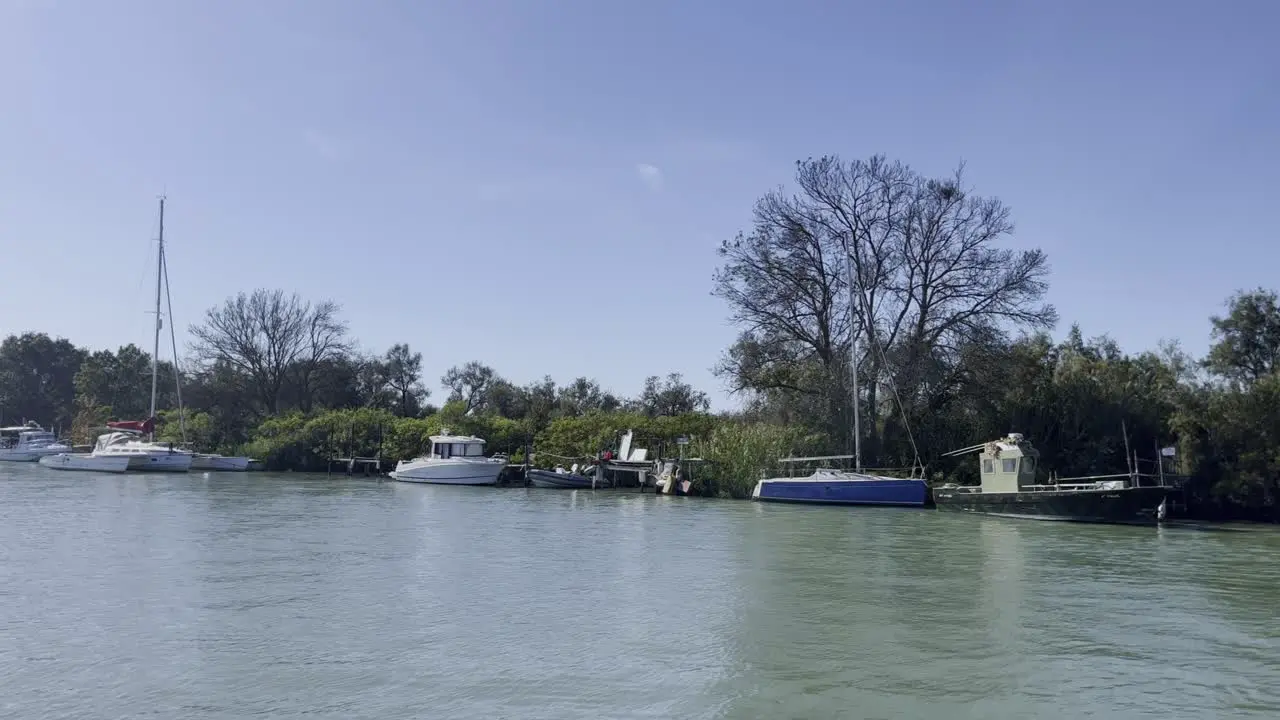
(1134, 479)
(793, 465)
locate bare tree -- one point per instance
(326, 338)
(930, 277)
(270, 337)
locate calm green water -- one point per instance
(227, 596)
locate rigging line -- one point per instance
(864, 305)
(173, 338)
(144, 269)
(143, 272)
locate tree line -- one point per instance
(952, 348)
(268, 356)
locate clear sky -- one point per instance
(541, 184)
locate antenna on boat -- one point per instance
(853, 365)
(864, 305)
(963, 451)
(1128, 459)
(173, 339)
(155, 351)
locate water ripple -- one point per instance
(288, 596)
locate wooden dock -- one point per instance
(366, 465)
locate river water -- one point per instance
(229, 596)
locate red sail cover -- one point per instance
(142, 426)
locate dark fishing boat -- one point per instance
(1010, 489)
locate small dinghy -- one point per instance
(561, 478)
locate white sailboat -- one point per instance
(125, 440)
(124, 445)
(199, 461)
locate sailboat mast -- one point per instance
(155, 351)
(853, 364)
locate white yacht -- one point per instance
(28, 443)
(142, 455)
(453, 460)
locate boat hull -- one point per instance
(219, 463)
(449, 473)
(548, 479)
(159, 462)
(86, 463)
(1128, 506)
(838, 489)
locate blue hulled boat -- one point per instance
(842, 487)
(838, 487)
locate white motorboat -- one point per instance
(142, 456)
(452, 460)
(28, 443)
(215, 462)
(86, 462)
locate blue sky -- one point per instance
(541, 185)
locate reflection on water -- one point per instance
(283, 595)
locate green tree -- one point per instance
(470, 384)
(120, 381)
(584, 395)
(403, 370)
(37, 379)
(670, 396)
(1247, 339)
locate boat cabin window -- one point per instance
(1009, 465)
(445, 451)
(1029, 464)
(988, 466)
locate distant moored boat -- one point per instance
(28, 443)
